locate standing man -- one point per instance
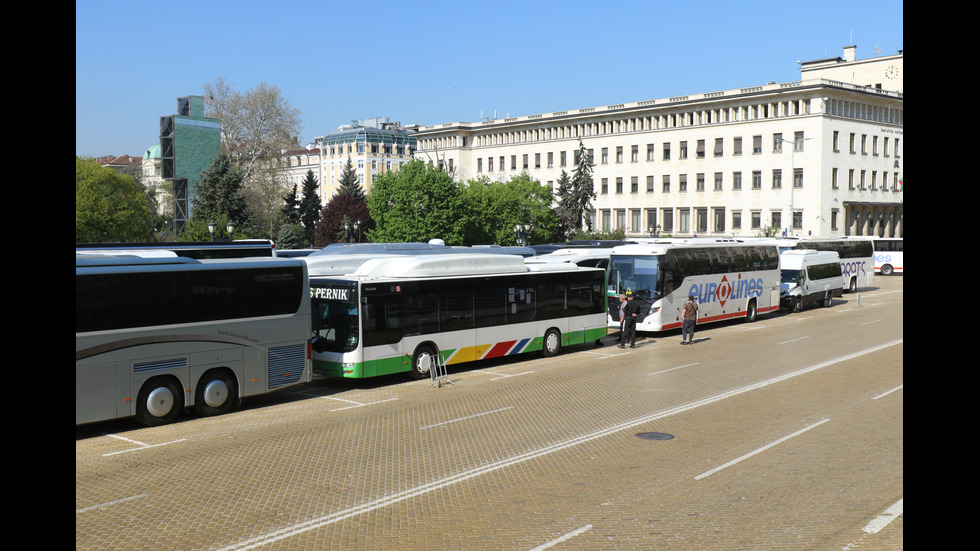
(690, 317)
(622, 320)
(630, 312)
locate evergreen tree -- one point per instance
(290, 207)
(583, 190)
(309, 206)
(348, 182)
(218, 194)
(567, 211)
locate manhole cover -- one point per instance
(655, 436)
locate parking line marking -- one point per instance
(569, 535)
(758, 451)
(883, 519)
(101, 505)
(465, 418)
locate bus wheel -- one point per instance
(798, 304)
(552, 342)
(216, 393)
(828, 300)
(887, 270)
(853, 287)
(159, 402)
(751, 313)
(422, 361)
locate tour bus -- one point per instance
(807, 275)
(728, 280)
(240, 248)
(889, 255)
(153, 335)
(400, 313)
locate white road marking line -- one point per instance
(101, 505)
(360, 404)
(428, 487)
(569, 535)
(464, 418)
(671, 369)
(899, 387)
(793, 340)
(883, 519)
(140, 445)
(758, 451)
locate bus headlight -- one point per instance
(654, 309)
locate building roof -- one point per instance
(371, 135)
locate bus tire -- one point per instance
(422, 360)
(159, 401)
(887, 270)
(828, 299)
(853, 287)
(216, 392)
(751, 312)
(552, 342)
(797, 305)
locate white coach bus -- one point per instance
(398, 313)
(153, 335)
(728, 280)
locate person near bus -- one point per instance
(630, 312)
(622, 321)
(690, 317)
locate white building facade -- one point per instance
(817, 157)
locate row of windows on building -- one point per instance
(685, 220)
(876, 146)
(857, 180)
(720, 115)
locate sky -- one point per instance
(434, 62)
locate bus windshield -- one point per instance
(789, 276)
(335, 326)
(639, 275)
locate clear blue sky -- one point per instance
(442, 61)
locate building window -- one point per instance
(666, 151)
(737, 146)
(634, 184)
(719, 219)
(777, 178)
(737, 181)
(756, 179)
(718, 184)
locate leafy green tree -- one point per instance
(218, 195)
(309, 206)
(417, 203)
(496, 207)
(583, 189)
(109, 207)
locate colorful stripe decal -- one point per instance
(486, 351)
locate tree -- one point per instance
(218, 194)
(417, 203)
(349, 206)
(348, 181)
(569, 219)
(309, 206)
(496, 207)
(109, 207)
(342, 208)
(255, 125)
(290, 208)
(583, 189)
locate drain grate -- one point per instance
(655, 436)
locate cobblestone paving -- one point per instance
(524, 453)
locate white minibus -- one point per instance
(807, 275)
